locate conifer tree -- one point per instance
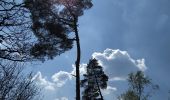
(52, 21)
(94, 80)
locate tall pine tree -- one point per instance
(52, 21)
(94, 80)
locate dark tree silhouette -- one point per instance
(52, 34)
(52, 21)
(94, 79)
(138, 85)
(16, 86)
(14, 31)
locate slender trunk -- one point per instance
(78, 60)
(98, 87)
(139, 91)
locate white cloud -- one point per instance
(118, 64)
(43, 82)
(109, 90)
(60, 85)
(58, 80)
(61, 78)
(62, 98)
(82, 69)
(118, 79)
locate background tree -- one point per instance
(94, 79)
(16, 86)
(168, 94)
(14, 31)
(128, 95)
(139, 84)
(52, 21)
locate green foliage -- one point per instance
(138, 83)
(93, 80)
(129, 95)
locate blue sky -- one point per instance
(125, 36)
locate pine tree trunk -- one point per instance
(98, 87)
(78, 59)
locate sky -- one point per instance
(124, 36)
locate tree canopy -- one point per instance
(38, 28)
(140, 87)
(94, 79)
(52, 21)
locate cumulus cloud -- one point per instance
(42, 81)
(58, 80)
(109, 90)
(82, 69)
(55, 87)
(118, 64)
(61, 78)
